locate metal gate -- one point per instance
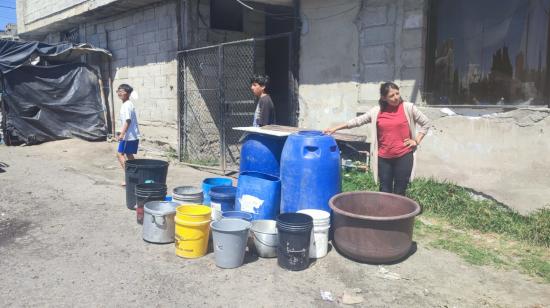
(214, 96)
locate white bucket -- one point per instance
(319, 236)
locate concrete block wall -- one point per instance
(37, 15)
(343, 60)
(144, 46)
(329, 71)
(391, 40)
(36, 9)
(344, 57)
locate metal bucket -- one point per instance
(265, 237)
(158, 222)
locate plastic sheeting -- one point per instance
(14, 54)
(45, 103)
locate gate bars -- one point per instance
(214, 96)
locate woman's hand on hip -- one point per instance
(411, 143)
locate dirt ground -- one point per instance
(67, 239)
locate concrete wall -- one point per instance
(349, 49)
(37, 17)
(329, 63)
(503, 155)
(144, 46)
(391, 47)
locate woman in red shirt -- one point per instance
(392, 150)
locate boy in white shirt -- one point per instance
(129, 133)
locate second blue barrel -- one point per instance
(258, 194)
(261, 153)
(310, 171)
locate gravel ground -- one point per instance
(67, 239)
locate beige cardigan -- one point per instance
(414, 116)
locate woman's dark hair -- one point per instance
(126, 88)
(262, 80)
(384, 90)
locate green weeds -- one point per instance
(460, 209)
(483, 232)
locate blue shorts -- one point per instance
(128, 146)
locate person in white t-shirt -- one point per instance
(129, 133)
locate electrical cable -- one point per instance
(261, 11)
(287, 16)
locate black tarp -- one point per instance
(14, 54)
(46, 103)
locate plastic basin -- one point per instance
(373, 227)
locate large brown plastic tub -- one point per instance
(373, 227)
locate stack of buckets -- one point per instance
(195, 221)
(319, 236)
(299, 233)
(293, 238)
(294, 230)
(145, 193)
(187, 195)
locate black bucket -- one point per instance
(139, 171)
(294, 238)
(145, 193)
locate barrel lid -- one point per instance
(160, 208)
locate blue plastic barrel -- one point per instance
(310, 171)
(259, 194)
(222, 199)
(261, 153)
(211, 182)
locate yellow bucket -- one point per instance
(192, 230)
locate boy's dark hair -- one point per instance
(127, 88)
(262, 80)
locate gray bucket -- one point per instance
(187, 194)
(265, 237)
(229, 237)
(158, 222)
